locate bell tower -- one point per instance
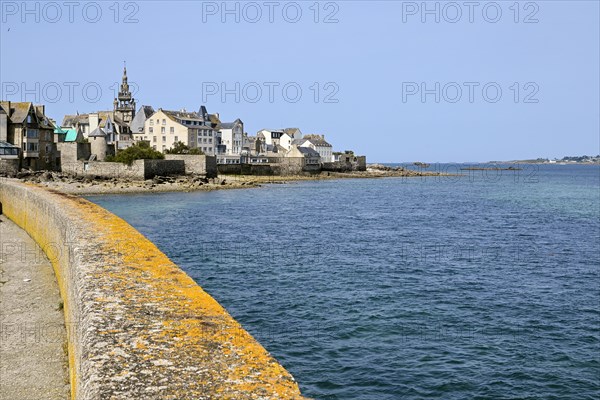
(124, 104)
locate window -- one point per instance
(154, 147)
(164, 138)
(151, 122)
(176, 139)
(151, 130)
(162, 129)
(154, 140)
(145, 137)
(172, 129)
(164, 147)
(31, 133)
(164, 121)
(209, 140)
(29, 119)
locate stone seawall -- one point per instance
(138, 326)
(139, 170)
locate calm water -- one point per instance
(475, 287)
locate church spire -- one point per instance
(124, 104)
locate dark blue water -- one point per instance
(485, 286)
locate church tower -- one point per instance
(124, 104)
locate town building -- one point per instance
(318, 143)
(164, 128)
(139, 120)
(231, 141)
(270, 136)
(26, 125)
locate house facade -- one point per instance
(318, 143)
(164, 128)
(26, 126)
(270, 136)
(231, 142)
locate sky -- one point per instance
(397, 81)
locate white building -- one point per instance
(231, 141)
(318, 143)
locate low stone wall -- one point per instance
(197, 164)
(284, 167)
(138, 170)
(9, 167)
(154, 168)
(138, 326)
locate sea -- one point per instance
(480, 285)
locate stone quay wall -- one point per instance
(138, 327)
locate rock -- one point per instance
(46, 177)
(23, 174)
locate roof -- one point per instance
(147, 111)
(98, 132)
(307, 151)
(83, 119)
(71, 135)
(227, 125)
(317, 140)
(137, 124)
(292, 131)
(5, 145)
(17, 111)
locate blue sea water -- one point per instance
(482, 286)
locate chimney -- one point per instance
(93, 121)
(41, 109)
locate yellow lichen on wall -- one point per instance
(161, 331)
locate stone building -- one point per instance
(27, 126)
(98, 144)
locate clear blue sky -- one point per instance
(372, 57)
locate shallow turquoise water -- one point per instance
(483, 286)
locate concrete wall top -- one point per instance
(138, 326)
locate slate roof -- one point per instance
(308, 152)
(227, 125)
(83, 119)
(98, 132)
(137, 124)
(317, 140)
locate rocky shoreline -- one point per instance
(87, 185)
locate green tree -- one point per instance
(181, 148)
(139, 151)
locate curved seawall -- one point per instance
(138, 326)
